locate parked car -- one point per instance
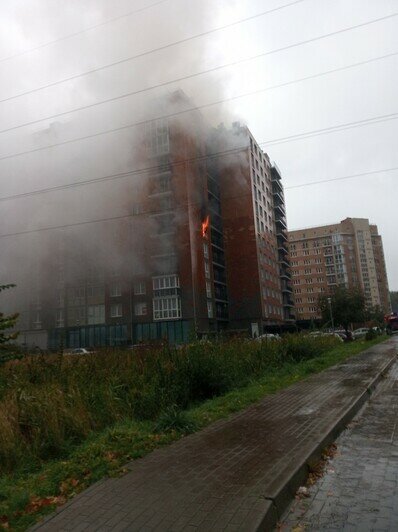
(345, 335)
(267, 337)
(79, 351)
(322, 333)
(359, 333)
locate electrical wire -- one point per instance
(196, 108)
(154, 50)
(80, 32)
(343, 178)
(128, 216)
(141, 171)
(184, 78)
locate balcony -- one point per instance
(288, 303)
(282, 247)
(288, 316)
(283, 261)
(278, 196)
(218, 257)
(275, 172)
(280, 224)
(281, 235)
(286, 288)
(280, 210)
(283, 274)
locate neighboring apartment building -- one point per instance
(349, 253)
(204, 250)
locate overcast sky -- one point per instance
(351, 95)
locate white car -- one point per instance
(266, 337)
(79, 351)
(359, 333)
(320, 333)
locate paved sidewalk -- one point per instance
(359, 492)
(239, 473)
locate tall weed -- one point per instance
(50, 403)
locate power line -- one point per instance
(191, 76)
(271, 142)
(331, 129)
(80, 32)
(141, 171)
(245, 95)
(149, 52)
(352, 176)
(127, 216)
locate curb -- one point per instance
(299, 475)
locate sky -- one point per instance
(263, 52)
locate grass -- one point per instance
(28, 492)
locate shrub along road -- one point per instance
(239, 473)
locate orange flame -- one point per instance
(205, 226)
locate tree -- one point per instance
(7, 322)
(347, 304)
(375, 314)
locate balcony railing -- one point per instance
(280, 210)
(275, 171)
(278, 196)
(281, 223)
(286, 288)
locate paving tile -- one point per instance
(363, 489)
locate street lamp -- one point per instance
(331, 312)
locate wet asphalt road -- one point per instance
(359, 491)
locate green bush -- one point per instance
(175, 419)
(49, 403)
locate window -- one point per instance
(95, 291)
(37, 320)
(166, 308)
(161, 183)
(206, 250)
(139, 288)
(61, 298)
(165, 285)
(116, 290)
(96, 314)
(140, 309)
(59, 318)
(209, 309)
(77, 316)
(157, 132)
(164, 223)
(207, 270)
(78, 296)
(116, 310)
(208, 289)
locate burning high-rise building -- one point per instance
(201, 249)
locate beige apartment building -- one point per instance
(349, 253)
